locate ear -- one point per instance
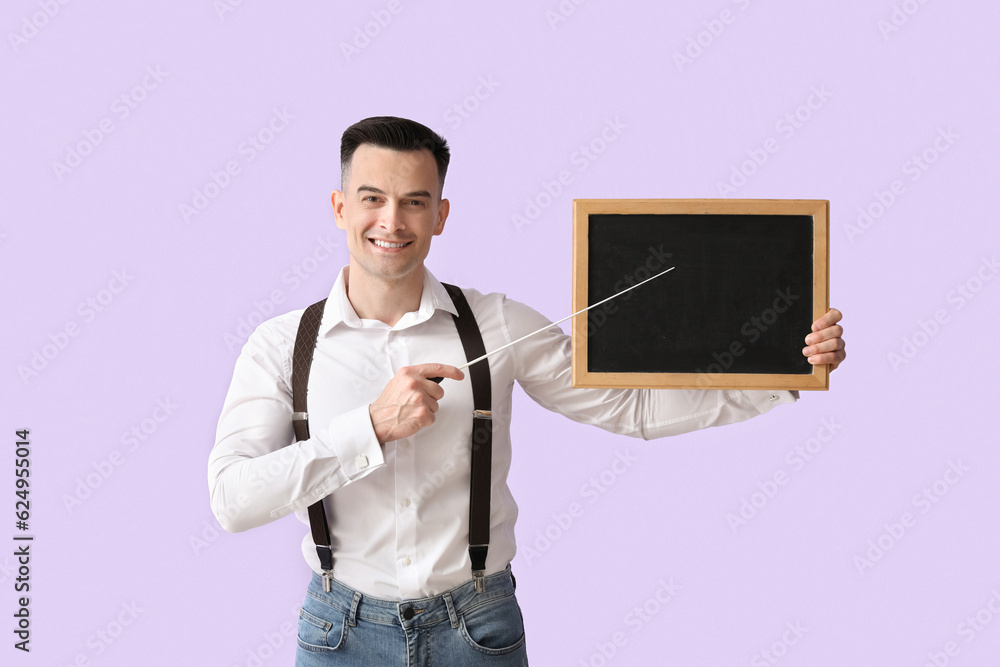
(337, 199)
(443, 208)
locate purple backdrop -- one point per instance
(167, 172)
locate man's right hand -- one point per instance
(409, 401)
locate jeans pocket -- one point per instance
(494, 628)
(322, 628)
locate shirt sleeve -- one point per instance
(256, 471)
(544, 371)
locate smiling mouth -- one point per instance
(386, 244)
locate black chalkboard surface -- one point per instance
(749, 278)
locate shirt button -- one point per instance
(406, 502)
(406, 561)
(361, 461)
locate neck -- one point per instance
(386, 301)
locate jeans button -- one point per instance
(408, 613)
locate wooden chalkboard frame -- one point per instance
(819, 210)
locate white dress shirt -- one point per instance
(399, 514)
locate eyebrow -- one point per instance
(372, 188)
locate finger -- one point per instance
(435, 391)
(435, 371)
(831, 317)
(832, 358)
(836, 331)
(831, 345)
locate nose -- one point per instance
(391, 219)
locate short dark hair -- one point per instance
(394, 133)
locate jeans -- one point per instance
(458, 628)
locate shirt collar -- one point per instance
(338, 309)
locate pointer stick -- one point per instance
(547, 326)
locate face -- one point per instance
(390, 209)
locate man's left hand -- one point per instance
(825, 344)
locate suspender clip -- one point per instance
(326, 580)
(477, 554)
(479, 576)
(482, 414)
(300, 416)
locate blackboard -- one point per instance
(749, 279)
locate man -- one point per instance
(390, 447)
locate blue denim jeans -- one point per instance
(459, 628)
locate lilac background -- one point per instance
(146, 537)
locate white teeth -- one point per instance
(384, 244)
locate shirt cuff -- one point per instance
(766, 399)
(352, 437)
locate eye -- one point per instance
(370, 198)
(416, 202)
